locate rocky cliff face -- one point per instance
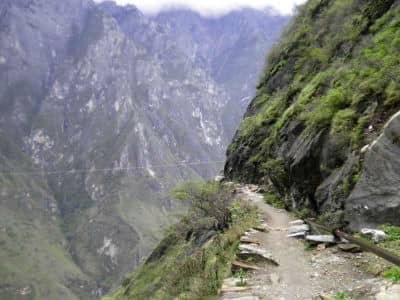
(329, 88)
(227, 46)
(102, 112)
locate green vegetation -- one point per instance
(342, 296)
(391, 243)
(335, 73)
(393, 274)
(195, 256)
(393, 232)
(241, 274)
(274, 200)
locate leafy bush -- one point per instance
(209, 205)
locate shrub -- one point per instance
(209, 204)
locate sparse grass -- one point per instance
(393, 274)
(185, 267)
(274, 200)
(342, 296)
(242, 275)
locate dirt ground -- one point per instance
(302, 274)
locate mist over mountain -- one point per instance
(102, 111)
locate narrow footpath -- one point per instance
(323, 273)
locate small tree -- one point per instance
(209, 205)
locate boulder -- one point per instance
(375, 199)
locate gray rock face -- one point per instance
(376, 197)
(102, 112)
(226, 47)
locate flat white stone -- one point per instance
(298, 228)
(321, 238)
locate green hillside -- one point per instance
(329, 87)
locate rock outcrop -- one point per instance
(376, 197)
(317, 106)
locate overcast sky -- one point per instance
(211, 7)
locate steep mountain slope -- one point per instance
(329, 88)
(101, 114)
(231, 48)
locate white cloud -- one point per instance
(211, 7)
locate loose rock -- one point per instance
(329, 239)
(298, 228)
(296, 222)
(352, 248)
(248, 250)
(376, 235)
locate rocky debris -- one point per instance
(296, 223)
(298, 228)
(252, 250)
(376, 235)
(328, 239)
(352, 248)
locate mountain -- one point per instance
(323, 129)
(231, 48)
(102, 112)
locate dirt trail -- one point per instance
(301, 274)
